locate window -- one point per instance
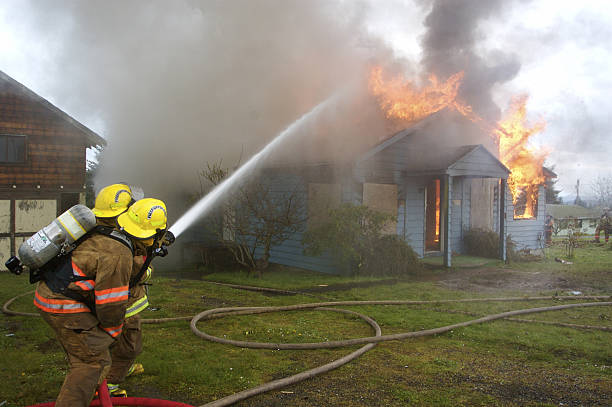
(12, 149)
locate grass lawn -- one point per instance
(502, 363)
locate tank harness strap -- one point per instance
(58, 274)
(114, 234)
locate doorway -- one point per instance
(432, 217)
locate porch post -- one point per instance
(502, 219)
(445, 212)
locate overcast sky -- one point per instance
(559, 52)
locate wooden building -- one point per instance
(436, 190)
(42, 163)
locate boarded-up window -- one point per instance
(5, 250)
(481, 203)
(382, 198)
(322, 198)
(5, 216)
(34, 214)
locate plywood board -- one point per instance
(382, 198)
(481, 200)
(34, 214)
(5, 251)
(5, 216)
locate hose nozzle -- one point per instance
(168, 238)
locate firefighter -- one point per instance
(129, 344)
(88, 316)
(604, 224)
(111, 202)
(548, 229)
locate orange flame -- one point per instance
(400, 99)
(526, 163)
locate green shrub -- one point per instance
(392, 256)
(353, 235)
(482, 243)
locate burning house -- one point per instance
(446, 171)
(437, 193)
(42, 163)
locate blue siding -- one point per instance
(291, 251)
(457, 226)
(414, 194)
(527, 233)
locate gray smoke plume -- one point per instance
(450, 45)
(180, 85)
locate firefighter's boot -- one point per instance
(115, 391)
(135, 369)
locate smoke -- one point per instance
(182, 85)
(451, 44)
(178, 86)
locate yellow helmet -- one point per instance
(112, 201)
(144, 218)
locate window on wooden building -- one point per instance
(12, 149)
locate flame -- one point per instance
(400, 99)
(526, 163)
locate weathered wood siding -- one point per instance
(51, 178)
(55, 150)
(526, 233)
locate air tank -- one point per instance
(48, 242)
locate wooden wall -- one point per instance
(413, 217)
(55, 149)
(34, 192)
(527, 233)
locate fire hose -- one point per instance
(368, 342)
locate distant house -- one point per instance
(42, 163)
(437, 191)
(579, 218)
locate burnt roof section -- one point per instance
(93, 139)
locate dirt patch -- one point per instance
(495, 279)
(505, 382)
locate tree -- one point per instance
(602, 189)
(254, 218)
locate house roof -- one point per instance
(93, 139)
(559, 211)
(548, 173)
(400, 154)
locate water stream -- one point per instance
(208, 201)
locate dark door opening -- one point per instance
(432, 216)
